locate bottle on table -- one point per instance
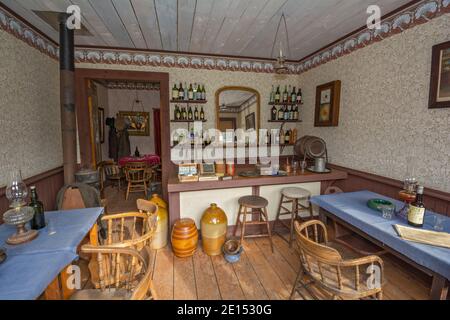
(38, 221)
(175, 95)
(416, 211)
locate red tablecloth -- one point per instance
(150, 159)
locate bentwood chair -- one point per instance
(126, 230)
(137, 177)
(124, 274)
(109, 171)
(324, 274)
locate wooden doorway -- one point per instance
(82, 77)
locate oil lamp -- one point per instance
(19, 214)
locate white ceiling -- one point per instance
(225, 27)
(234, 98)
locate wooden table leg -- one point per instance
(58, 289)
(439, 288)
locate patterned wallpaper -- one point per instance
(30, 136)
(384, 116)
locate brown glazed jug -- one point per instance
(184, 238)
(214, 230)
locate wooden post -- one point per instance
(67, 87)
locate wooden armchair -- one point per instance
(137, 175)
(332, 276)
(109, 171)
(124, 274)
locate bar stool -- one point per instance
(253, 205)
(294, 196)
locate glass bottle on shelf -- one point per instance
(299, 96)
(175, 92)
(199, 93)
(277, 95)
(281, 113)
(196, 113)
(190, 114)
(290, 113)
(203, 93)
(181, 92)
(202, 114)
(285, 94)
(287, 137)
(288, 94)
(293, 96)
(281, 136)
(186, 94)
(272, 96)
(38, 221)
(286, 113)
(295, 113)
(178, 114)
(184, 113)
(191, 93)
(175, 112)
(274, 113)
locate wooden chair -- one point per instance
(124, 274)
(109, 171)
(126, 230)
(137, 177)
(148, 207)
(325, 274)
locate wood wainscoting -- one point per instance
(437, 201)
(47, 185)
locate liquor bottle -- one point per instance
(175, 112)
(272, 95)
(281, 136)
(285, 94)
(281, 114)
(178, 114)
(293, 96)
(290, 112)
(175, 92)
(196, 113)
(190, 114)
(181, 92)
(294, 136)
(184, 114)
(38, 221)
(186, 93)
(287, 137)
(299, 96)
(191, 93)
(277, 95)
(286, 113)
(199, 93)
(416, 212)
(274, 113)
(296, 113)
(203, 93)
(289, 96)
(202, 114)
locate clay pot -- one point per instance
(184, 238)
(214, 230)
(162, 229)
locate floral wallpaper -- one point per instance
(30, 129)
(385, 123)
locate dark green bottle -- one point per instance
(38, 221)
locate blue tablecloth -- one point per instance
(352, 208)
(32, 266)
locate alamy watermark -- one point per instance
(74, 19)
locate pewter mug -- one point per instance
(320, 165)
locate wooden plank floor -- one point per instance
(259, 275)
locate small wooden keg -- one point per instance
(184, 238)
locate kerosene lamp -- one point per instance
(19, 214)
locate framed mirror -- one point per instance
(237, 108)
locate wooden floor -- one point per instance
(259, 275)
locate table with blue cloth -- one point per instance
(30, 267)
(350, 210)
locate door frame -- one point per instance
(82, 76)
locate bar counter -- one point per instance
(191, 199)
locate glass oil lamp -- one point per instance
(19, 214)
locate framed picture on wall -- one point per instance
(328, 99)
(101, 124)
(138, 122)
(250, 122)
(440, 76)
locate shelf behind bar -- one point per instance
(189, 101)
(284, 104)
(285, 121)
(189, 121)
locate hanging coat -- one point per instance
(112, 139)
(124, 148)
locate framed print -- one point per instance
(328, 98)
(101, 124)
(138, 122)
(440, 77)
(250, 122)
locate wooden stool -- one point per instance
(294, 196)
(251, 205)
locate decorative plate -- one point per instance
(378, 204)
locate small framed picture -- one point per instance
(250, 123)
(328, 98)
(440, 77)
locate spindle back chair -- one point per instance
(324, 267)
(137, 177)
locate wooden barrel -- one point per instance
(184, 238)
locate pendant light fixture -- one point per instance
(280, 64)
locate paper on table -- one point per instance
(440, 239)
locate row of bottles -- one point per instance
(184, 113)
(192, 138)
(194, 92)
(285, 113)
(289, 95)
(284, 137)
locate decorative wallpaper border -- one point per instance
(417, 14)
